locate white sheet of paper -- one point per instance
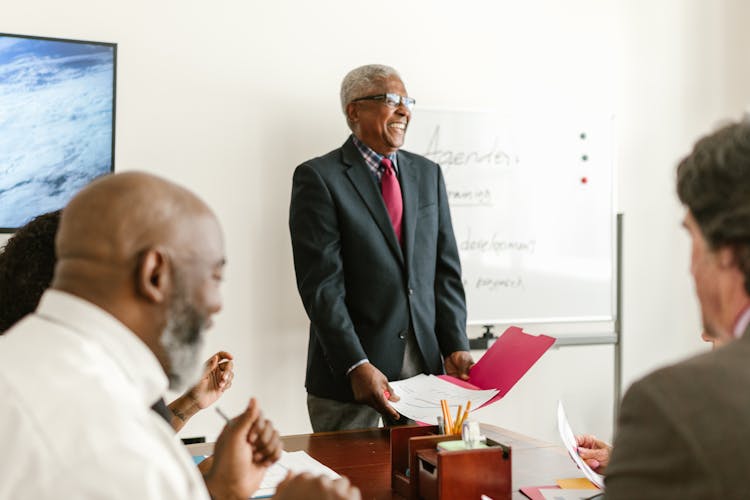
(295, 461)
(564, 494)
(569, 440)
(421, 395)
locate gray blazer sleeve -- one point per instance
(653, 455)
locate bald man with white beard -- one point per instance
(140, 261)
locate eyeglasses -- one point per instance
(390, 100)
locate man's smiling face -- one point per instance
(381, 127)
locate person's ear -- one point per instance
(725, 257)
(352, 112)
(153, 275)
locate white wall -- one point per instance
(227, 97)
(683, 71)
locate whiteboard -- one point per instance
(533, 213)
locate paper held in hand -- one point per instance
(421, 395)
(496, 372)
(569, 440)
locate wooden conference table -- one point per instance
(364, 457)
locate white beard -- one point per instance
(183, 340)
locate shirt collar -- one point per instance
(127, 351)
(371, 157)
(742, 322)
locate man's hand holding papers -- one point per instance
(370, 387)
(458, 364)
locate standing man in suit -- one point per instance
(376, 261)
(684, 431)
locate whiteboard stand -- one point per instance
(618, 324)
(483, 342)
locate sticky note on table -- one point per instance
(576, 483)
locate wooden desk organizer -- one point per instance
(420, 471)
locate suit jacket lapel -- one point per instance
(410, 195)
(361, 177)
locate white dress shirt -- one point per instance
(76, 388)
(742, 322)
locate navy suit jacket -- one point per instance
(361, 291)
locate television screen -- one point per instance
(57, 122)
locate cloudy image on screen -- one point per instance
(56, 122)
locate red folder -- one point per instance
(505, 362)
(535, 492)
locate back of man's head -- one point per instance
(148, 252)
(713, 182)
(116, 216)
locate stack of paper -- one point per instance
(496, 372)
(296, 462)
(421, 395)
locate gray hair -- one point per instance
(713, 181)
(359, 80)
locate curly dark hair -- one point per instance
(27, 265)
(713, 181)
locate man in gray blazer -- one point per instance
(684, 431)
(376, 261)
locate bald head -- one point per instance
(150, 253)
(117, 216)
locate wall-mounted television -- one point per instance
(57, 122)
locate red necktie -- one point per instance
(392, 195)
